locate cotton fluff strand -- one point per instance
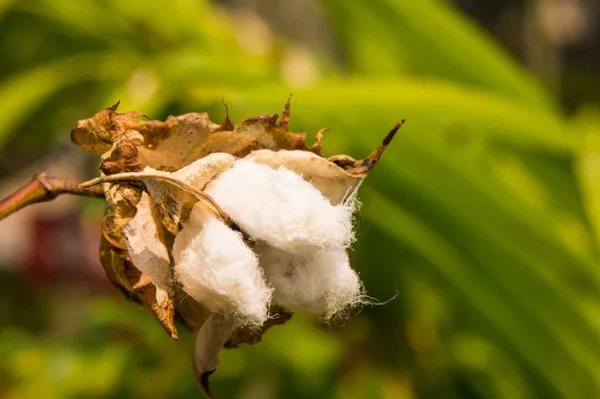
(279, 207)
(216, 268)
(319, 281)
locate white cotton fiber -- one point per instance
(281, 208)
(319, 281)
(216, 268)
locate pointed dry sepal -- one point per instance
(317, 147)
(285, 118)
(227, 125)
(362, 167)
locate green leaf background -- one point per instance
(480, 223)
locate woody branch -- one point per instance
(43, 188)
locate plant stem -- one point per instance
(44, 188)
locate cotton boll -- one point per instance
(216, 268)
(319, 281)
(281, 208)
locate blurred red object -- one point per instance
(62, 250)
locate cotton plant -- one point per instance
(228, 228)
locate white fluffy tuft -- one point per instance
(281, 208)
(319, 281)
(216, 268)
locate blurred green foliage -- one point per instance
(482, 218)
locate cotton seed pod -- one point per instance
(214, 215)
